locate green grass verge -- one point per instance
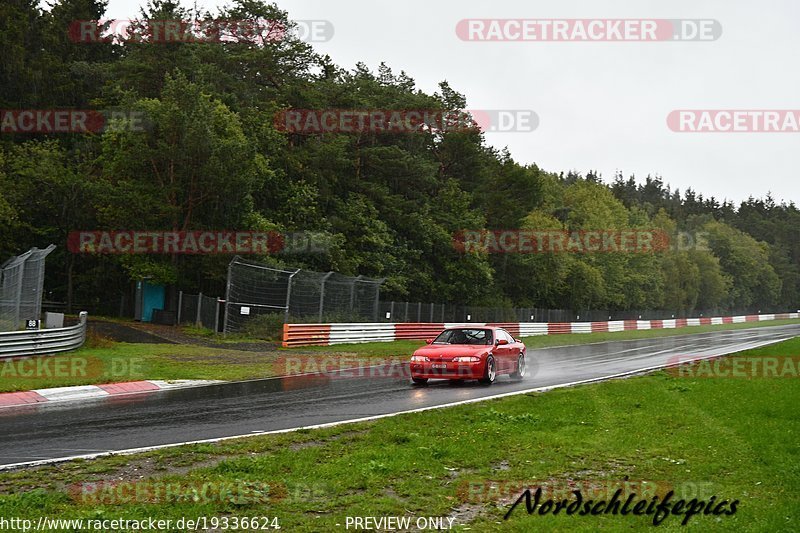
(733, 438)
(117, 362)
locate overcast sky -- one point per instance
(601, 105)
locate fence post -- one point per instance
(378, 300)
(406, 315)
(199, 305)
(431, 315)
(227, 300)
(180, 305)
(419, 311)
(289, 296)
(391, 311)
(19, 294)
(216, 317)
(353, 293)
(322, 294)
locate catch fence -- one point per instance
(21, 286)
(260, 298)
(258, 294)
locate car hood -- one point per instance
(448, 351)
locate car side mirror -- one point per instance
(518, 340)
(502, 342)
(428, 341)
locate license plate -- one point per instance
(438, 365)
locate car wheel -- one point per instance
(519, 373)
(490, 373)
(419, 381)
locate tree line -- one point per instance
(210, 156)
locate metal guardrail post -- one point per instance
(83, 318)
(216, 316)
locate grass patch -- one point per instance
(199, 331)
(734, 438)
(111, 362)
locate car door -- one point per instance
(503, 352)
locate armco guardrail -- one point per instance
(328, 334)
(43, 341)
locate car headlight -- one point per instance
(470, 359)
(419, 359)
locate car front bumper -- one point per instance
(451, 370)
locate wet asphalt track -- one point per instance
(33, 433)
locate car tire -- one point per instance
(519, 373)
(490, 372)
(419, 381)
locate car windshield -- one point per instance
(465, 336)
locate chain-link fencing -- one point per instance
(200, 310)
(395, 311)
(447, 313)
(261, 295)
(21, 287)
(261, 298)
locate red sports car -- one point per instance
(469, 352)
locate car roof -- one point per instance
(473, 326)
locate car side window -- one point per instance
(504, 335)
